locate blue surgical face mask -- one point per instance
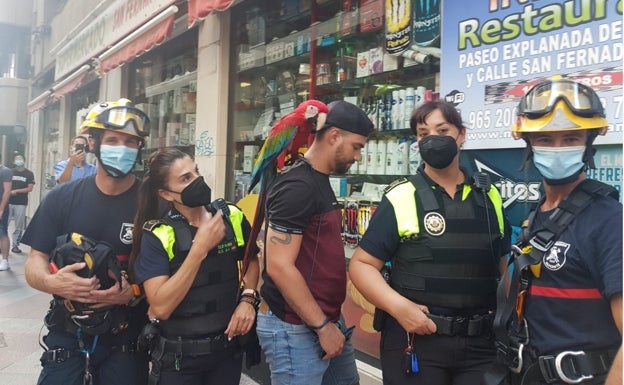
(557, 164)
(118, 161)
(19, 163)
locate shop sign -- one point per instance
(494, 53)
(115, 22)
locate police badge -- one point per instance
(435, 224)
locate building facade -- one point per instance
(147, 51)
(15, 72)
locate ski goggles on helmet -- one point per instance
(124, 118)
(542, 98)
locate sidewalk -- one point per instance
(21, 321)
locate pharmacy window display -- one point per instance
(382, 55)
(164, 85)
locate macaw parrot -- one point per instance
(285, 138)
(291, 132)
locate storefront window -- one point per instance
(164, 84)
(52, 152)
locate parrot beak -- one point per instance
(321, 118)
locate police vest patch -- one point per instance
(435, 224)
(556, 256)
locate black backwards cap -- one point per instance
(348, 117)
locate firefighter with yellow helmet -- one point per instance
(119, 116)
(562, 319)
(80, 239)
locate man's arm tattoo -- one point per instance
(284, 241)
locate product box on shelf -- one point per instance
(371, 15)
(263, 125)
(289, 8)
(274, 51)
(289, 49)
(390, 62)
(339, 185)
(351, 99)
(376, 60)
(249, 155)
(253, 58)
(363, 67)
(172, 133)
(371, 191)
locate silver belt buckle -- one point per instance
(560, 372)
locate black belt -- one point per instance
(60, 355)
(463, 326)
(573, 367)
(195, 347)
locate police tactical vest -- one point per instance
(449, 252)
(212, 298)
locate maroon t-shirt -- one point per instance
(301, 201)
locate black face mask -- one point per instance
(438, 151)
(196, 194)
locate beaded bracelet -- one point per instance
(250, 300)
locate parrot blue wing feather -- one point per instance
(269, 152)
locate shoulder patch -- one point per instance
(152, 224)
(395, 183)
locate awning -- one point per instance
(39, 102)
(71, 82)
(199, 9)
(140, 41)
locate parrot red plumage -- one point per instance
(285, 138)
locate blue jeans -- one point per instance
(293, 353)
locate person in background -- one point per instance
(76, 166)
(187, 259)
(445, 235)
(300, 326)
(23, 182)
(80, 239)
(566, 286)
(5, 194)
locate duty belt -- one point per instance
(194, 347)
(571, 367)
(60, 355)
(463, 326)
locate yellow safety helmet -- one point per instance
(559, 105)
(121, 116)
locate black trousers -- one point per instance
(107, 365)
(223, 368)
(443, 360)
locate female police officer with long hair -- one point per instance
(188, 263)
